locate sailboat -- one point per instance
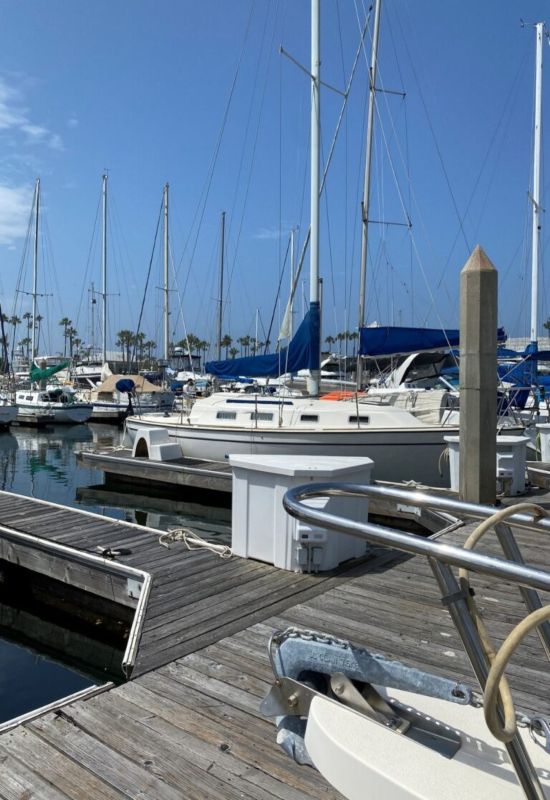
(110, 395)
(59, 403)
(402, 446)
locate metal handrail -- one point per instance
(440, 558)
(521, 574)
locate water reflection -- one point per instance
(43, 464)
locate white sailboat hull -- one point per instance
(72, 415)
(399, 454)
(66, 412)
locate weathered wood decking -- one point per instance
(191, 728)
(120, 466)
(196, 598)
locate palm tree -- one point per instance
(330, 341)
(244, 341)
(191, 342)
(27, 316)
(125, 340)
(226, 341)
(71, 334)
(26, 344)
(66, 323)
(14, 321)
(354, 336)
(139, 340)
(38, 320)
(149, 346)
(233, 352)
(203, 347)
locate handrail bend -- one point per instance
(294, 503)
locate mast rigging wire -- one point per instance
(134, 349)
(208, 183)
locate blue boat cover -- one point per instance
(125, 385)
(302, 353)
(386, 341)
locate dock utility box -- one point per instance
(262, 529)
(156, 445)
(511, 463)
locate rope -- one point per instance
(443, 459)
(193, 542)
(497, 687)
(496, 677)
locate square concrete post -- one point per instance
(478, 379)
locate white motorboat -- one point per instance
(57, 400)
(402, 446)
(112, 404)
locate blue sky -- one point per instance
(142, 89)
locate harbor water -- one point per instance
(43, 464)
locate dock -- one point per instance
(119, 465)
(187, 724)
(34, 419)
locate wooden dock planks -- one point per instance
(189, 726)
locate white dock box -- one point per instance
(511, 463)
(543, 429)
(262, 529)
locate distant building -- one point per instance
(521, 343)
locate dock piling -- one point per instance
(478, 397)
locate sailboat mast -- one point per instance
(104, 273)
(314, 378)
(220, 310)
(539, 27)
(93, 322)
(291, 301)
(35, 266)
(366, 185)
(166, 278)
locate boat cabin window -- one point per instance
(309, 418)
(28, 397)
(226, 415)
(363, 420)
(261, 416)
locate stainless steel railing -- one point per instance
(441, 558)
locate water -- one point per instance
(42, 464)
(29, 680)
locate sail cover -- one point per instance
(38, 374)
(386, 341)
(301, 353)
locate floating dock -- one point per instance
(34, 419)
(187, 725)
(120, 465)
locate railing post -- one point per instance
(458, 609)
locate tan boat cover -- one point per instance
(142, 384)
